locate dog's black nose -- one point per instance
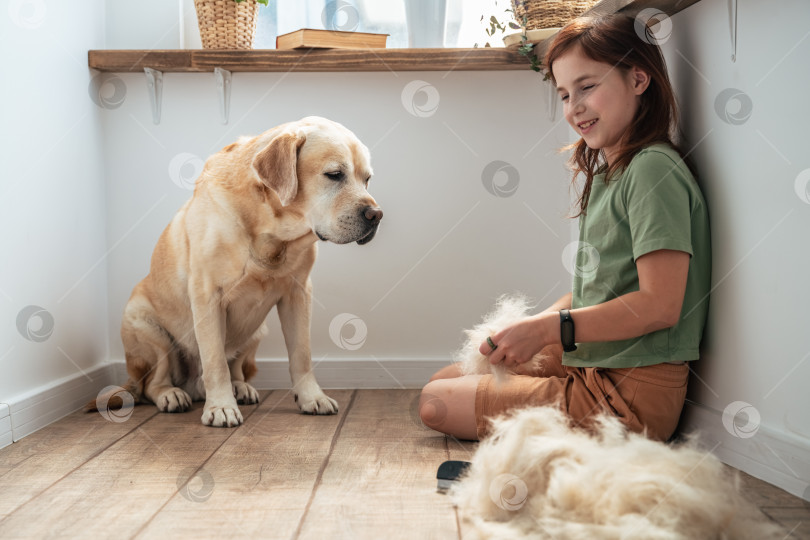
(372, 214)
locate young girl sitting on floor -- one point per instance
(632, 322)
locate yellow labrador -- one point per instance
(245, 242)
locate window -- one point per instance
(464, 26)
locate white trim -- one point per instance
(779, 458)
(5, 426)
(36, 409)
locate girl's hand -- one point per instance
(518, 343)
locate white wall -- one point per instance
(756, 360)
(52, 197)
(446, 248)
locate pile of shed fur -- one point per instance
(536, 477)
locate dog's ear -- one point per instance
(276, 165)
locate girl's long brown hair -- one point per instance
(614, 40)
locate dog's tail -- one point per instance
(114, 398)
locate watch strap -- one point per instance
(567, 331)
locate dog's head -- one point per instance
(321, 169)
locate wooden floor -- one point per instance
(368, 472)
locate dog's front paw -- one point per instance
(221, 416)
(244, 393)
(173, 400)
(316, 403)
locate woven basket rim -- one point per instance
(541, 14)
(226, 24)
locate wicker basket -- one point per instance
(549, 13)
(225, 24)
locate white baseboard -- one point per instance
(779, 458)
(36, 409)
(5, 426)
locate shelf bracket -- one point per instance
(732, 13)
(154, 86)
(223, 77)
(551, 97)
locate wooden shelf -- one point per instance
(308, 60)
(337, 60)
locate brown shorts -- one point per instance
(645, 399)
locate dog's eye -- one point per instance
(336, 176)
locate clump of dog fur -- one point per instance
(508, 309)
(538, 477)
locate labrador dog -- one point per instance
(245, 242)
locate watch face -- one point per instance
(567, 331)
(567, 336)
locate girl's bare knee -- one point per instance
(432, 406)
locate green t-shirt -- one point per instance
(655, 203)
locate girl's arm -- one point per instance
(656, 305)
(563, 303)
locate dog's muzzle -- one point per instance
(372, 215)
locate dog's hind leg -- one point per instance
(148, 350)
(294, 311)
(243, 367)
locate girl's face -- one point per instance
(599, 101)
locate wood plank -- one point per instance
(36, 462)
(462, 451)
(764, 494)
(385, 414)
(795, 521)
(260, 480)
(118, 490)
(382, 483)
(123, 61)
(312, 60)
(321, 60)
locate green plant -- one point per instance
(525, 49)
(263, 2)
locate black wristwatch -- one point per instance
(567, 331)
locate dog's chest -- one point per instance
(243, 317)
(249, 299)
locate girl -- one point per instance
(639, 300)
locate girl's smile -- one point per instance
(585, 127)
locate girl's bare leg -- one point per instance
(448, 372)
(447, 404)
